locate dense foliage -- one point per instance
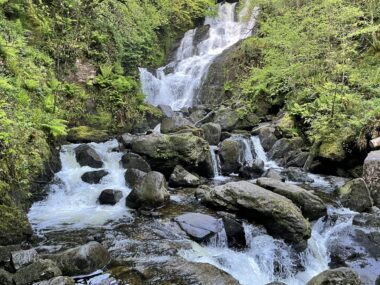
(320, 61)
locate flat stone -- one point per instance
(23, 258)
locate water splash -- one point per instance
(261, 154)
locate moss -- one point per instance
(287, 127)
(85, 134)
(332, 150)
(14, 225)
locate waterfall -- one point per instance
(177, 84)
(260, 154)
(216, 165)
(71, 202)
(267, 259)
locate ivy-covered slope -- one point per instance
(73, 62)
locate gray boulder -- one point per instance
(23, 258)
(133, 160)
(150, 193)
(43, 269)
(167, 110)
(183, 178)
(61, 280)
(296, 175)
(371, 175)
(267, 137)
(175, 124)
(199, 227)
(126, 140)
(6, 278)
(235, 233)
(226, 118)
(338, 276)
(83, 259)
(87, 156)
(94, 177)
(253, 170)
(212, 133)
(133, 177)
(230, 156)
(311, 205)
(277, 213)
(355, 195)
(110, 197)
(296, 159)
(283, 147)
(274, 174)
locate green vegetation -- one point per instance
(71, 63)
(320, 62)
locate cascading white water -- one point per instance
(267, 259)
(215, 161)
(180, 87)
(261, 154)
(72, 202)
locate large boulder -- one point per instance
(151, 192)
(175, 123)
(87, 156)
(6, 278)
(183, 178)
(43, 269)
(371, 175)
(212, 133)
(167, 110)
(230, 156)
(94, 177)
(253, 170)
(110, 197)
(278, 214)
(226, 118)
(133, 160)
(14, 225)
(281, 149)
(338, 276)
(295, 174)
(267, 137)
(235, 232)
(126, 140)
(61, 280)
(165, 152)
(83, 259)
(311, 205)
(133, 177)
(23, 258)
(332, 151)
(85, 134)
(199, 227)
(355, 195)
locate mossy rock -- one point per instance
(332, 150)
(85, 134)
(14, 225)
(286, 126)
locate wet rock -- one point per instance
(133, 160)
(82, 259)
(5, 255)
(165, 152)
(175, 124)
(182, 178)
(235, 233)
(23, 258)
(267, 137)
(282, 147)
(296, 175)
(226, 118)
(277, 213)
(110, 197)
(339, 276)
(94, 177)
(311, 205)
(199, 227)
(150, 193)
(87, 156)
(212, 133)
(367, 220)
(43, 269)
(6, 278)
(371, 175)
(197, 115)
(274, 174)
(276, 283)
(167, 110)
(297, 159)
(225, 135)
(85, 134)
(61, 280)
(255, 170)
(201, 33)
(133, 177)
(230, 156)
(126, 140)
(14, 226)
(355, 195)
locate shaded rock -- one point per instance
(110, 197)
(87, 156)
(212, 133)
(230, 156)
(167, 110)
(235, 233)
(267, 137)
(277, 213)
(82, 259)
(198, 226)
(61, 280)
(6, 278)
(226, 118)
(6, 254)
(332, 151)
(276, 283)
(367, 220)
(175, 123)
(296, 175)
(182, 178)
(165, 152)
(371, 175)
(85, 134)
(23, 258)
(274, 174)
(297, 159)
(133, 160)
(43, 269)
(355, 195)
(283, 147)
(126, 140)
(225, 135)
(94, 177)
(198, 115)
(133, 177)
(150, 193)
(248, 121)
(254, 170)
(339, 276)
(311, 205)
(14, 226)
(201, 34)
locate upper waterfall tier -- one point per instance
(178, 83)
